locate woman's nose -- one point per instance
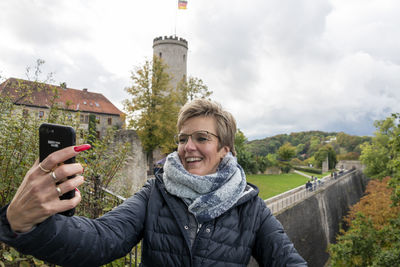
(190, 145)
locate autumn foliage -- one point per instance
(375, 205)
(373, 236)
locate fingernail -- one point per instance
(82, 147)
(77, 190)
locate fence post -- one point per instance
(136, 256)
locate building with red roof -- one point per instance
(37, 98)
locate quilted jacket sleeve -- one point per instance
(79, 241)
(273, 247)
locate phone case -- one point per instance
(53, 137)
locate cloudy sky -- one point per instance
(279, 66)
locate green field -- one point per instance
(272, 185)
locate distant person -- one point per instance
(309, 186)
(199, 212)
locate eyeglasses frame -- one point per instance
(176, 137)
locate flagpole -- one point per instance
(176, 14)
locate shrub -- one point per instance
(308, 169)
(349, 156)
(285, 166)
(373, 237)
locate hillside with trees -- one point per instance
(309, 148)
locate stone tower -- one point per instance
(173, 51)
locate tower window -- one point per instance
(160, 55)
(184, 58)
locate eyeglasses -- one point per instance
(198, 137)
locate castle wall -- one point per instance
(314, 223)
(134, 173)
(349, 164)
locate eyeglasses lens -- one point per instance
(200, 137)
(197, 137)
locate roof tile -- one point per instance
(42, 95)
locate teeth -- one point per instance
(192, 159)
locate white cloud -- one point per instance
(278, 66)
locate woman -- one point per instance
(199, 212)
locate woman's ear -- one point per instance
(223, 151)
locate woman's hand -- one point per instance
(37, 197)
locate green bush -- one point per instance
(285, 166)
(308, 169)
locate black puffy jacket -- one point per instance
(170, 238)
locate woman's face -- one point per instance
(201, 158)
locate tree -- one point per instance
(272, 159)
(191, 89)
(349, 156)
(153, 109)
(324, 152)
(102, 163)
(92, 134)
(376, 154)
(300, 148)
(262, 163)
(373, 237)
(244, 157)
(19, 137)
(286, 152)
(315, 143)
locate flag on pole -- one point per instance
(182, 4)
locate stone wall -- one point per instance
(273, 170)
(313, 223)
(134, 174)
(349, 164)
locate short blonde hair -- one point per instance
(225, 122)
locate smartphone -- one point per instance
(53, 137)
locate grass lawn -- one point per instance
(272, 185)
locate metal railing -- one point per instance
(112, 199)
(119, 199)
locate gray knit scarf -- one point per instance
(208, 196)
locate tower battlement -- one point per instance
(170, 40)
